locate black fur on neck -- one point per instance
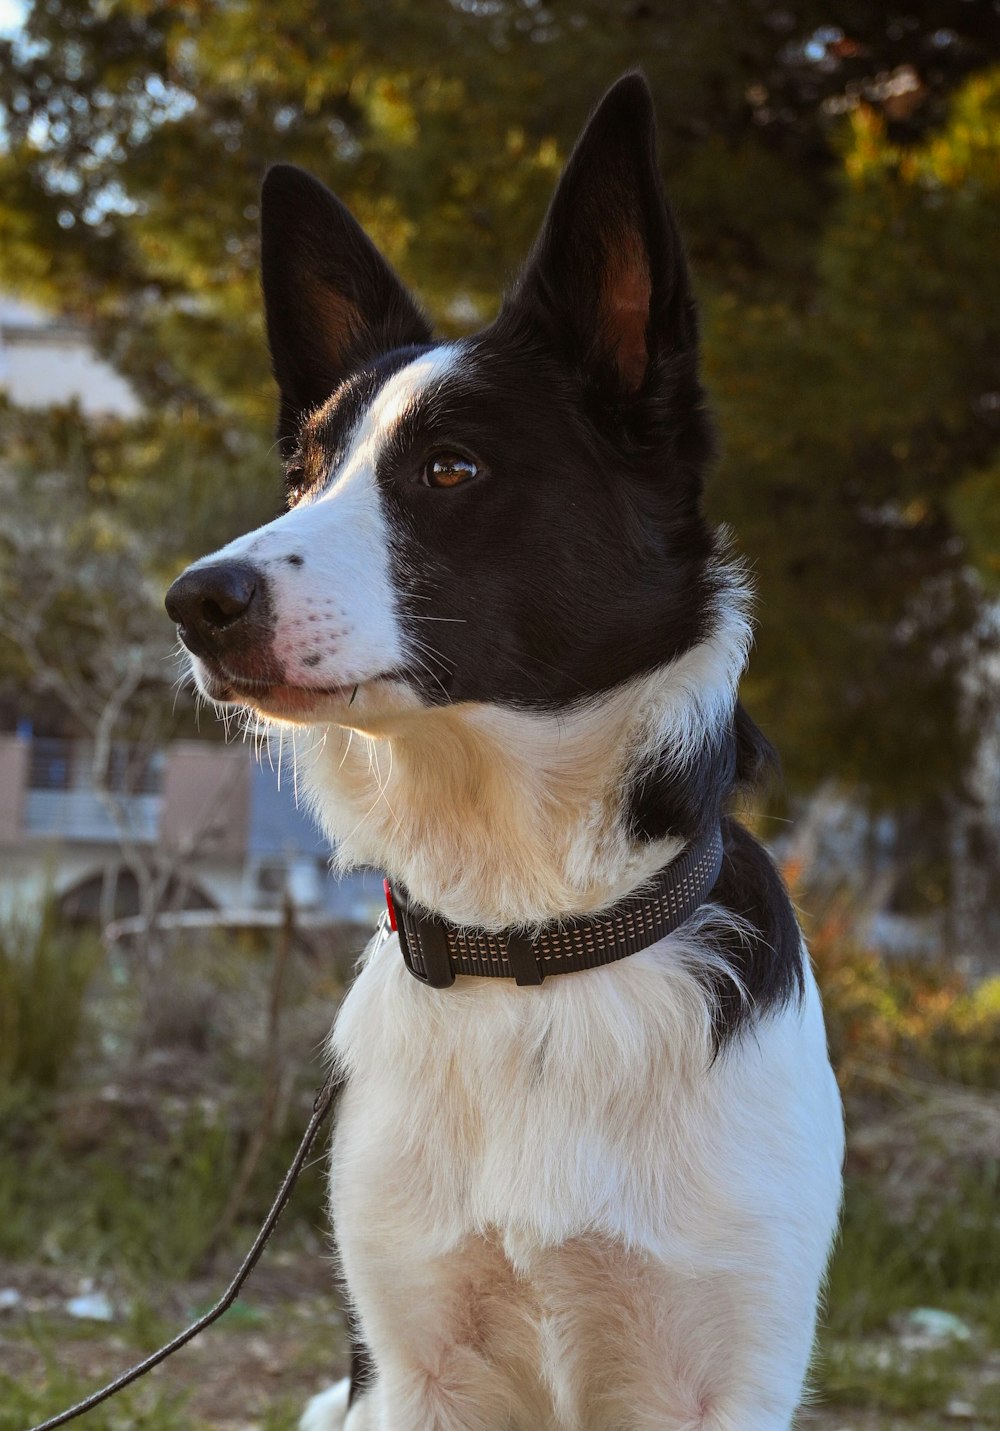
(682, 798)
(765, 964)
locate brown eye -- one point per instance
(447, 469)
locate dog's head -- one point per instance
(512, 518)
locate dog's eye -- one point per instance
(447, 469)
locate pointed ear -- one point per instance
(607, 275)
(332, 301)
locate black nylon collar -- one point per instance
(435, 950)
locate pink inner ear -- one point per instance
(336, 319)
(628, 292)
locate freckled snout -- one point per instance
(220, 609)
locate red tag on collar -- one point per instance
(389, 904)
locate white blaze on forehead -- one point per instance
(400, 395)
(335, 609)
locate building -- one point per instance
(223, 828)
(45, 360)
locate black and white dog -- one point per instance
(602, 1202)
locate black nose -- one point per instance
(214, 605)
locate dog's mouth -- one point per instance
(284, 700)
(281, 698)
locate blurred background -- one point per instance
(172, 947)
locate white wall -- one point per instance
(43, 361)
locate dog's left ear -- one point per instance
(332, 301)
(607, 277)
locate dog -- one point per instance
(590, 1196)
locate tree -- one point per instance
(880, 472)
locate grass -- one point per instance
(118, 1151)
(944, 1253)
(144, 1210)
(874, 1378)
(139, 1209)
(45, 972)
(918, 1057)
(143, 1409)
(138, 1409)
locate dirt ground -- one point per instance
(277, 1346)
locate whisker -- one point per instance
(433, 675)
(347, 748)
(420, 645)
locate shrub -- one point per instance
(45, 971)
(891, 1019)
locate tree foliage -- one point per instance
(835, 168)
(865, 425)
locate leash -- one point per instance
(322, 1106)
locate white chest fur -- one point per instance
(494, 1127)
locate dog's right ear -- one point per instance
(607, 280)
(331, 300)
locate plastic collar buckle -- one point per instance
(434, 968)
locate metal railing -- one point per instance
(63, 802)
(83, 815)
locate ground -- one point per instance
(255, 1369)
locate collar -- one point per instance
(435, 950)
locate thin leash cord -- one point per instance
(322, 1105)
